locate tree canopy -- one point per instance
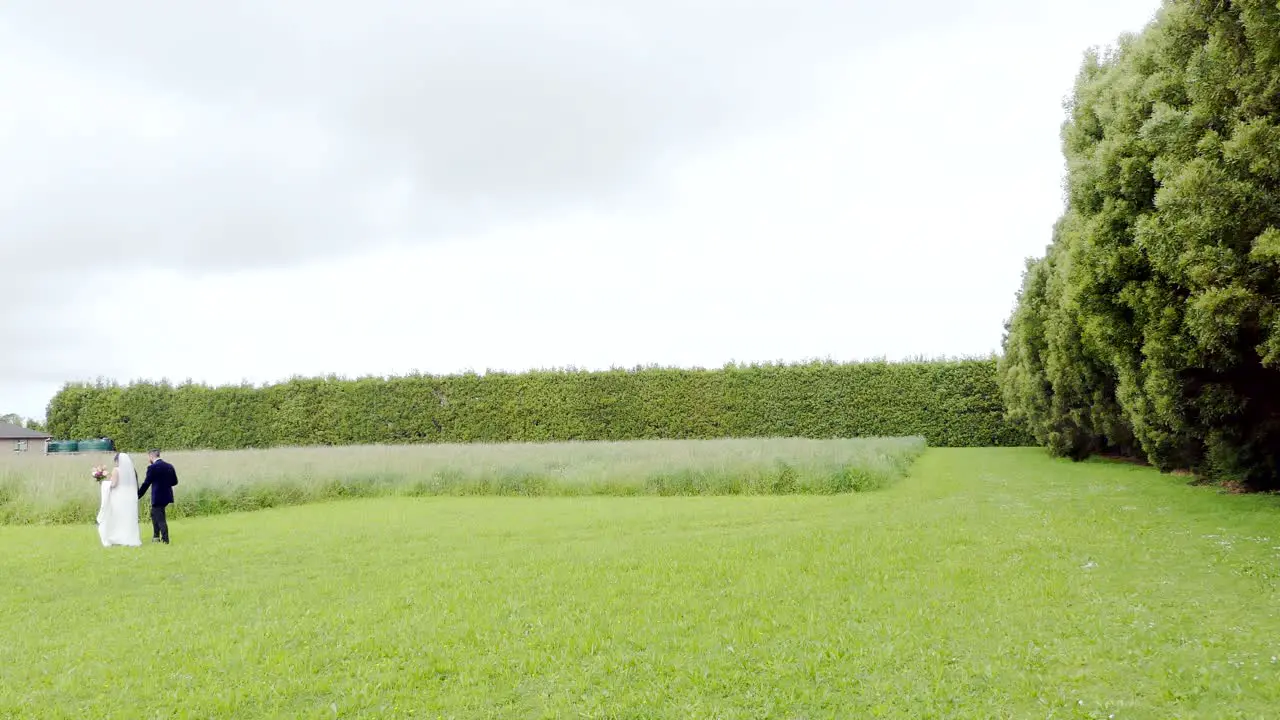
(16, 419)
(1151, 325)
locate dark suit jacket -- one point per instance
(161, 477)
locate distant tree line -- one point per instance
(28, 423)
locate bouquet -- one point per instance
(99, 473)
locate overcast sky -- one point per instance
(241, 190)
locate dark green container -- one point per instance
(64, 446)
(96, 446)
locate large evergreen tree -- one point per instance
(1152, 324)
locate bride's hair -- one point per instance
(116, 459)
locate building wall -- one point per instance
(25, 445)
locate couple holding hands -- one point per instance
(118, 511)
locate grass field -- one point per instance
(57, 489)
(989, 584)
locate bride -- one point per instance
(118, 513)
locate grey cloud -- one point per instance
(195, 203)
(215, 136)
(485, 112)
(307, 128)
(48, 333)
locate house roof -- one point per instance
(9, 431)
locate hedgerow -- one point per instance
(949, 403)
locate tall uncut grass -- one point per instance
(39, 489)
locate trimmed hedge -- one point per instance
(949, 403)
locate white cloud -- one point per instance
(888, 216)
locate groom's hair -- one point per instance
(154, 452)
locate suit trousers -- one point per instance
(159, 523)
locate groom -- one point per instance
(161, 477)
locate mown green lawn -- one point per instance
(990, 584)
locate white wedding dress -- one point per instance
(118, 513)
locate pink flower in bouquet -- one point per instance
(99, 473)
